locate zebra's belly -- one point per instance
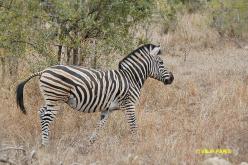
(98, 95)
(111, 105)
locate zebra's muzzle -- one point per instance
(169, 80)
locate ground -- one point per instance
(204, 108)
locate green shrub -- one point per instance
(230, 17)
(170, 9)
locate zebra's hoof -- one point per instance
(92, 141)
(92, 138)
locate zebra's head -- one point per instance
(158, 69)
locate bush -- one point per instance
(170, 9)
(230, 17)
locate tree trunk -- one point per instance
(62, 55)
(76, 56)
(69, 60)
(59, 52)
(68, 56)
(3, 74)
(94, 55)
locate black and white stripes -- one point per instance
(90, 90)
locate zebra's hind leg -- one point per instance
(47, 115)
(100, 125)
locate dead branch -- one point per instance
(13, 148)
(32, 154)
(7, 160)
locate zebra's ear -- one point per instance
(155, 51)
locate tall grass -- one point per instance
(205, 107)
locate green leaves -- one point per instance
(40, 25)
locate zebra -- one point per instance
(89, 90)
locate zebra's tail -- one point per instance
(19, 92)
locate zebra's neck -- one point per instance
(136, 69)
(136, 77)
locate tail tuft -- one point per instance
(19, 96)
(19, 92)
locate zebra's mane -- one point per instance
(147, 46)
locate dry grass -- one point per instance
(194, 29)
(206, 107)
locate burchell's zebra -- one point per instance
(90, 90)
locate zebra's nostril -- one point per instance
(170, 79)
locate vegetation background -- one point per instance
(204, 44)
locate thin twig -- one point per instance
(185, 55)
(12, 148)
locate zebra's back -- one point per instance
(86, 90)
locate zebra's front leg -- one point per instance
(47, 115)
(100, 125)
(131, 119)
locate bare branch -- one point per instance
(6, 160)
(12, 148)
